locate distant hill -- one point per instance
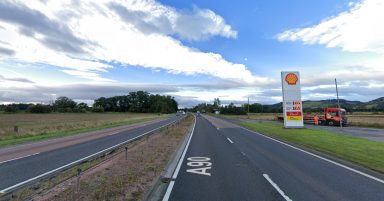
(376, 105)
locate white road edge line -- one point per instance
(3, 191)
(276, 187)
(18, 158)
(230, 140)
(174, 176)
(322, 158)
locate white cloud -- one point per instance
(358, 30)
(82, 38)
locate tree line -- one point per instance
(235, 109)
(140, 102)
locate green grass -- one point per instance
(364, 152)
(12, 140)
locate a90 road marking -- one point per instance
(202, 165)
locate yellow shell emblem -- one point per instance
(291, 79)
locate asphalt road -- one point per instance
(226, 162)
(19, 170)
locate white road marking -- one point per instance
(18, 158)
(174, 176)
(276, 187)
(169, 190)
(230, 140)
(322, 158)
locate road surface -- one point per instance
(13, 172)
(226, 162)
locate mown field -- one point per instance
(32, 127)
(356, 119)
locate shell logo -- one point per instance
(291, 79)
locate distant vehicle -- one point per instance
(198, 113)
(330, 117)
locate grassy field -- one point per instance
(32, 127)
(367, 153)
(362, 120)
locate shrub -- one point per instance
(40, 109)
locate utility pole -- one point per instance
(338, 105)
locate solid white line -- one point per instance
(322, 158)
(276, 187)
(184, 152)
(77, 161)
(18, 158)
(169, 190)
(230, 140)
(174, 176)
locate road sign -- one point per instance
(292, 105)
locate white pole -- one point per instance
(338, 105)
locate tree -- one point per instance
(11, 108)
(216, 104)
(64, 104)
(39, 108)
(81, 107)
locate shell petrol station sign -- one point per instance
(292, 105)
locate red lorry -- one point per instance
(330, 116)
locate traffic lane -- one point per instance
(17, 171)
(229, 177)
(24, 150)
(301, 175)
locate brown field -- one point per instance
(37, 124)
(372, 120)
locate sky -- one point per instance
(194, 50)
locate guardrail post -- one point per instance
(126, 153)
(78, 180)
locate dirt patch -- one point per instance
(121, 179)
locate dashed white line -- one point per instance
(18, 158)
(230, 140)
(276, 187)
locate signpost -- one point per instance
(292, 105)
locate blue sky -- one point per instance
(193, 50)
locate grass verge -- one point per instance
(369, 154)
(12, 140)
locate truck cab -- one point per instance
(333, 116)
